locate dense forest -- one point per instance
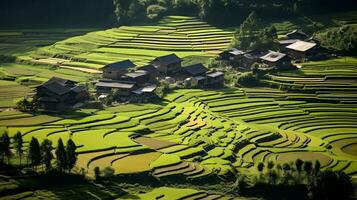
(54, 13)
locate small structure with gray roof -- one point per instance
(214, 79)
(302, 49)
(275, 59)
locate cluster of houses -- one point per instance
(123, 77)
(128, 80)
(295, 45)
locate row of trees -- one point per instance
(40, 154)
(320, 185)
(106, 12)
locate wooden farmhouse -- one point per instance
(168, 65)
(231, 54)
(59, 94)
(302, 49)
(276, 60)
(139, 77)
(114, 71)
(195, 70)
(152, 71)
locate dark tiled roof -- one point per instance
(56, 88)
(168, 59)
(125, 64)
(196, 69)
(78, 89)
(59, 80)
(149, 69)
(48, 99)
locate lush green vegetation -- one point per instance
(280, 124)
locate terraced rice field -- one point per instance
(207, 134)
(185, 36)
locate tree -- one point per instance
(34, 154)
(154, 11)
(118, 11)
(5, 147)
(270, 165)
(317, 167)
(25, 105)
(108, 172)
(46, 151)
(71, 154)
(61, 156)
(298, 165)
(18, 144)
(260, 167)
(308, 167)
(251, 23)
(97, 173)
(204, 7)
(331, 185)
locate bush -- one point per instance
(26, 105)
(7, 59)
(248, 79)
(342, 39)
(154, 11)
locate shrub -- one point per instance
(154, 11)
(248, 79)
(26, 105)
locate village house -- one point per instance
(231, 54)
(276, 60)
(214, 79)
(115, 71)
(302, 49)
(250, 58)
(168, 65)
(139, 77)
(59, 94)
(152, 71)
(195, 70)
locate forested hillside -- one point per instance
(27, 13)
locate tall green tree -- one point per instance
(298, 165)
(5, 147)
(61, 156)
(34, 154)
(71, 154)
(19, 144)
(46, 151)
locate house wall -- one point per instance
(167, 69)
(113, 74)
